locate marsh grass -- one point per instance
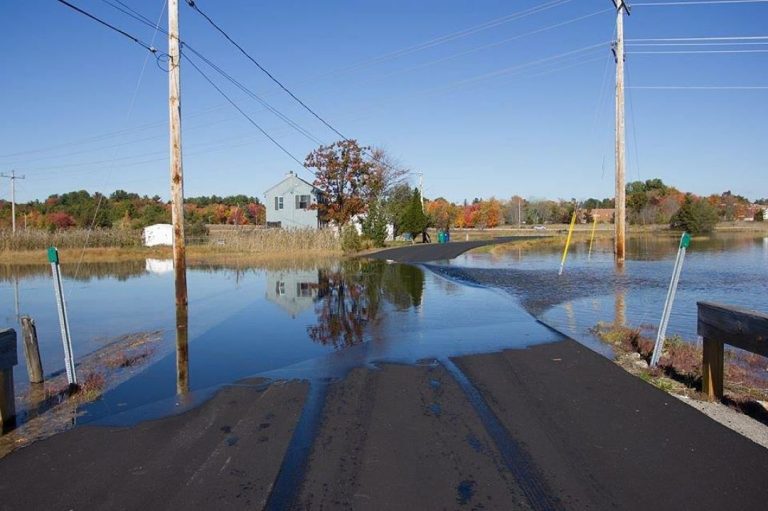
(246, 244)
(274, 240)
(679, 368)
(38, 239)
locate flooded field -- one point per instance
(732, 269)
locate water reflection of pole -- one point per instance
(16, 296)
(620, 308)
(182, 349)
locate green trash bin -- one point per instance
(440, 237)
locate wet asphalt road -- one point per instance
(422, 253)
(554, 426)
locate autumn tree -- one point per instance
(345, 179)
(489, 213)
(441, 213)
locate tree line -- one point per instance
(126, 210)
(368, 186)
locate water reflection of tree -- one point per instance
(350, 299)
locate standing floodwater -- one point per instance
(312, 321)
(732, 269)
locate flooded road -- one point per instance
(322, 320)
(731, 269)
(311, 322)
(380, 386)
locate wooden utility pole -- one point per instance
(620, 194)
(177, 193)
(13, 177)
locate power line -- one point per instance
(143, 19)
(242, 112)
(697, 44)
(131, 106)
(254, 96)
(672, 52)
(529, 64)
(372, 156)
(674, 39)
(135, 39)
(457, 35)
(699, 2)
(194, 6)
(493, 44)
(704, 87)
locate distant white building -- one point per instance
(158, 234)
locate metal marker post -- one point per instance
(567, 243)
(685, 241)
(69, 361)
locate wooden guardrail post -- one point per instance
(723, 324)
(8, 359)
(31, 350)
(712, 369)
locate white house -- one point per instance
(290, 203)
(158, 234)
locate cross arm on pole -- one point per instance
(622, 4)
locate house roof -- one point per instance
(289, 176)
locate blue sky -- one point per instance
(486, 112)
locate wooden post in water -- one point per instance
(620, 192)
(8, 359)
(31, 350)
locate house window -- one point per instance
(280, 288)
(304, 289)
(302, 202)
(278, 203)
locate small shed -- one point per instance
(158, 234)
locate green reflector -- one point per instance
(53, 255)
(685, 241)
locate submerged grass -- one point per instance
(49, 408)
(679, 368)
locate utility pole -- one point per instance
(177, 196)
(13, 177)
(620, 195)
(421, 190)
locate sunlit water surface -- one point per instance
(313, 322)
(320, 321)
(730, 269)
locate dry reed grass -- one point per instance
(241, 246)
(37, 239)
